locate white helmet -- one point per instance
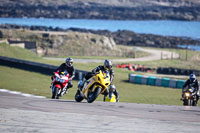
(192, 78)
(107, 64)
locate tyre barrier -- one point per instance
(156, 81)
(35, 67)
(177, 71)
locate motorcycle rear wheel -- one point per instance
(78, 97)
(93, 95)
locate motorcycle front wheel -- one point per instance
(93, 95)
(185, 103)
(55, 93)
(190, 102)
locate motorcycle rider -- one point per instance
(107, 67)
(67, 66)
(193, 82)
(110, 90)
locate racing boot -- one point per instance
(117, 99)
(81, 85)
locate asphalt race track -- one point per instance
(20, 114)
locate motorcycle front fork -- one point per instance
(64, 91)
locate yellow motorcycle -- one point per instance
(93, 87)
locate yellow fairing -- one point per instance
(102, 79)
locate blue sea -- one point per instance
(159, 27)
(191, 47)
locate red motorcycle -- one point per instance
(59, 84)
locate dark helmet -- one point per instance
(107, 64)
(192, 78)
(69, 62)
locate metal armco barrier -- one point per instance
(35, 67)
(155, 81)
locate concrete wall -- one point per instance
(155, 81)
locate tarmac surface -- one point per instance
(28, 114)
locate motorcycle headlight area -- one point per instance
(187, 94)
(60, 80)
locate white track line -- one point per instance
(20, 93)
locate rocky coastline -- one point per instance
(120, 37)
